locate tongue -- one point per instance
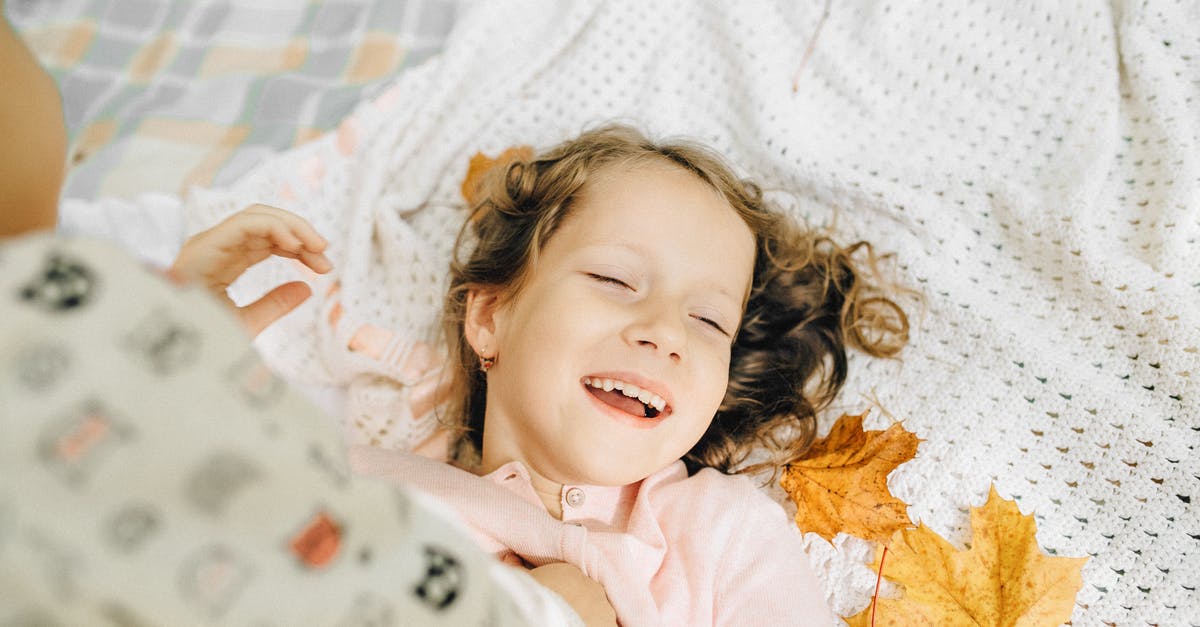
(620, 401)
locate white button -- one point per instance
(575, 497)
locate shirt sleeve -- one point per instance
(769, 579)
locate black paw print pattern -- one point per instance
(443, 581)
(63, 284)
(162, 343)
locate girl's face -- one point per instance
(641, 288)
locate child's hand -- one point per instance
(218, 256)
(584, 595)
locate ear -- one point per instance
(481, 320)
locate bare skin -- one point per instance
(33, 153)
(585, 596)
(215, 259)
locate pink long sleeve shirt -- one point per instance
(709, 549)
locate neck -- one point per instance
(548, 490)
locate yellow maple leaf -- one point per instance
(1003, 579)
(480, 164)
(841, 484)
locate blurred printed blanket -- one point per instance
(163, 94)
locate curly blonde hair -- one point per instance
(810, 298)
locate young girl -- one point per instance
(630, 324)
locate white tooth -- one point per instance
(587, 380)
(631, 390)
(608, 385)
(619, 385)
(645, 396)
(659, 403)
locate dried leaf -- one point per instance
(480, 165)
(841, 484)
(1003, 579)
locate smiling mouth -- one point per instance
(618, 399)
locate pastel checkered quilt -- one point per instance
(160, 95)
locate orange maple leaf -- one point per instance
(1003, 579)
(480, 165)
(841, 484)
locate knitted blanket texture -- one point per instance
(1034, 167)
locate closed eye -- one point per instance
(712, 323)
(602, 278)
(609, 280)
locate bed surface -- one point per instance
(1034, 166)
(160, 95)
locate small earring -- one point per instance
(486, 363)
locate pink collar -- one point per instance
(604, 507)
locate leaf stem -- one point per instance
(878, 580)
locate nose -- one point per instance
(659, 327)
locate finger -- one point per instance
(234, 264)
(247, 238)
(318, 262)
(273, 305)
(295, 224)
(233, 268)
(247, 242)
(248, 231)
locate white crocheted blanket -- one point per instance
(1034, 166)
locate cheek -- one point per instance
(547, 334)
(718, 374)
(712, 381)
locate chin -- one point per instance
(613, 477)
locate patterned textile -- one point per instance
(154, 472)
(1033, 165)
(160, 95)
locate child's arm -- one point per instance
(217, 257)
(584, 595)
(34, 145)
